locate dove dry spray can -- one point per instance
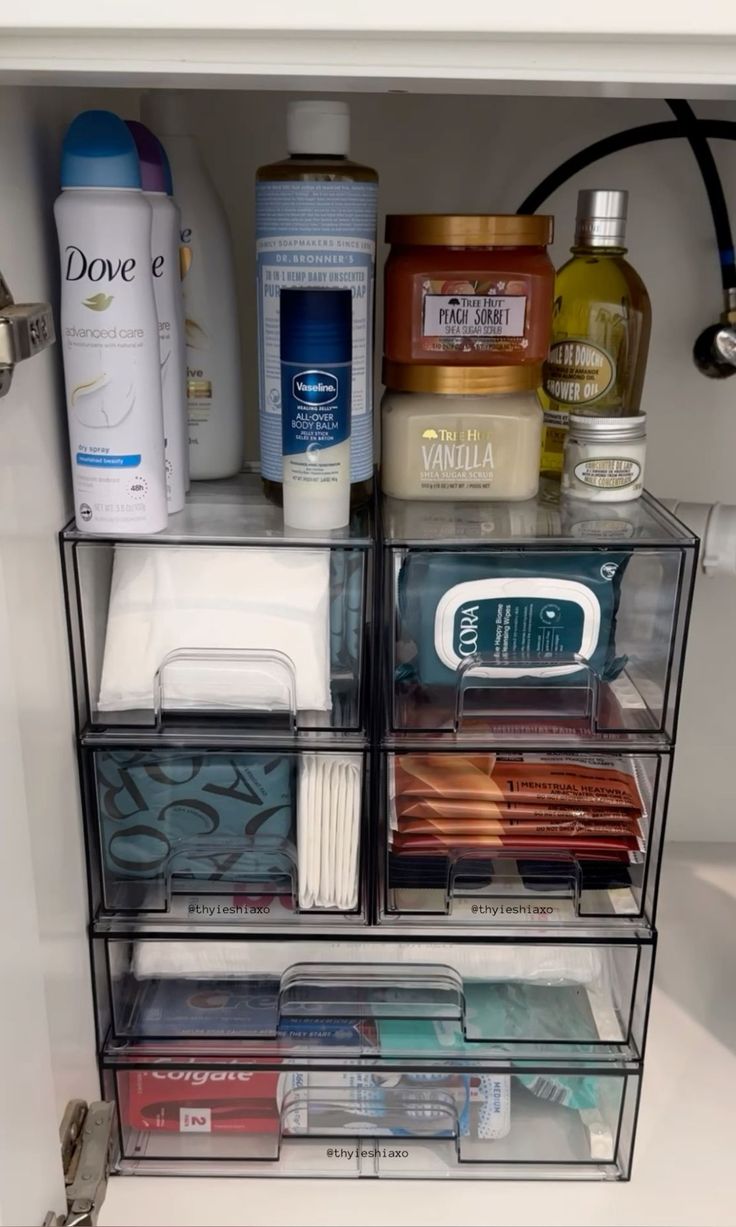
(109, 332)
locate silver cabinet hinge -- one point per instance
(25, 329)
(86, 1136)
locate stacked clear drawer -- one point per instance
(325, 941)
(221, 679)
(374, 1058)
(532, 660)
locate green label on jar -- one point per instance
(611, 473)
(577, 372)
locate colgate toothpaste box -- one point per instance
(321, 1103)
(200, 1100)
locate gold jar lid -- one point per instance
(461, 380)
(469, 229)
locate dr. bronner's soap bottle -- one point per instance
(316, 228)
(600, 326)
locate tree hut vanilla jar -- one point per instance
(468, 288)
(460, 432)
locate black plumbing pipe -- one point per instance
(719, 129)
(685, 115)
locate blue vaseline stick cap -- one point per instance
(316, 325)
(99, 151)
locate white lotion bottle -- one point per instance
(170, 307)
(109, 332)
(316, 397)
(214, 385)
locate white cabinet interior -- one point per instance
(455, 143)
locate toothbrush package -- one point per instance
(232, 1101)
(398, 1104)
(297, 1103)
(501, 1013)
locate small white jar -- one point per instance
(604, 458)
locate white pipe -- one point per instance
(715, 524)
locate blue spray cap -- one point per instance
(99, 151)
(316, 325)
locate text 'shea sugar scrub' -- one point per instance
(461, 432)
(468, 289)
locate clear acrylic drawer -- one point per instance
(415, 1000)
(535, 621)
(511, 1121)
(519, 839)
(198, 838)
(225, 617)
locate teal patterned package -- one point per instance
(209, 817)
(346, 609)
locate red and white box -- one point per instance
(200, 1100)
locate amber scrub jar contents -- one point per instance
(452, 432)
(468, 289)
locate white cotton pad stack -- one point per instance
(328, 830)
(165, 599)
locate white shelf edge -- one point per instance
(482, 63)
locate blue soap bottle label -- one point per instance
(317, 235)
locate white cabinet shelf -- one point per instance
(715, 17)
(627, 50)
